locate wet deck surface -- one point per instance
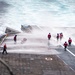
(38, 58)
(67, 57)
(30, 64)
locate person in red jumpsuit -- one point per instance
(69, 41)
(49, 36)
(61, 36)
(4, 49)
(65, 45)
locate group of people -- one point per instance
(15, 40)
(60, 36)
(5, 46)
(67, 44)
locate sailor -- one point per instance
(65, 45)
(49, 36)
(4, 49)
(69, 41)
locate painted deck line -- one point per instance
(69, 51)
(66, 64)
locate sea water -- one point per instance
(52, 13)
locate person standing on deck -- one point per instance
(61, 36)
(57, 36)
(49, 36)
(4, 49)
(65, 45)
(69, 41)
(15, 38)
